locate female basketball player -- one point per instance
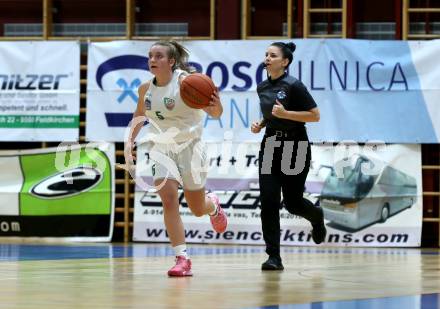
(169, 117)
(286, 105)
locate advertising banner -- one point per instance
(371, 196)
(39, 91)
(365, 90)
(66, 193)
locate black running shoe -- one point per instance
(272, 263)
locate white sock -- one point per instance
(180, 250)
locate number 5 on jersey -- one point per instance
(159, 116)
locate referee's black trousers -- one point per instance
(274, 178)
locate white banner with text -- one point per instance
(39, 91)
(365, 90)
(371, 196)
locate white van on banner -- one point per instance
(39, 91)
(358, 86)
(371, 196)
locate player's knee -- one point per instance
(198, 212)
(169, 200)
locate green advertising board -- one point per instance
(64, 192)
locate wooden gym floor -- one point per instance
(134, 276)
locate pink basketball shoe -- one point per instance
(182, 267)
(219, 221)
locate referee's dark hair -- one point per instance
(287, 49)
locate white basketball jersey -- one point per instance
(167, 113)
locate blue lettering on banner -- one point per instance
(31, 81)
(300, 70)
(368, 76)
(397, 67)
(357, 76)
(197, 66)
(224, 71)
(343, 82)
(209, 118)
(236, 108)
(312, 77)
(259, 74)
(342, 75)
(246, 78)
(245, 120)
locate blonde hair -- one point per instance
(179, 53)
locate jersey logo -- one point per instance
(148, 101)
(169, 103)
(281, 95)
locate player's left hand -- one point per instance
(278, 110)
(214, 105)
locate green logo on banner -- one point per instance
(84, 189)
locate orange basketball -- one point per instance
(196, 90)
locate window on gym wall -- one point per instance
(85, 18)
(23, 19)
(374, 24)
(424, 23)
(268, 18)
(327, 22)
(173, 18)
